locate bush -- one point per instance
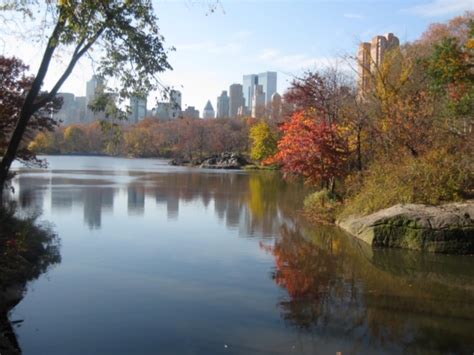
(434, 178)
(322, 206)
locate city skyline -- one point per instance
(224, 44)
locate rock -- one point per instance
(440, 229)
(226, 160)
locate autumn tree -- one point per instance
(127, 39)
(312, 148)
(264, 141)
(15, 85)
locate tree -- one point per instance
(264, 141)
(312, 148)
(15, 85)
(451, 69)
(127, 38)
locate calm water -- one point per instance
(165, 260)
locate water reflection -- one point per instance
(252, 203)
(28, 249)
(185, 245)
(389, 299)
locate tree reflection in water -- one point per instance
(28, 249)
(339, 288)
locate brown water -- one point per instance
(166, 260)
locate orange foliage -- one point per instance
(312, 148)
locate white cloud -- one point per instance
(354, 16)
(442, 7)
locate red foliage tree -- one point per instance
(15, 85)
(312, 148)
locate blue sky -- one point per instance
(214, 50)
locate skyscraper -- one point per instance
(236, 99)
(175, 102)
(268, 80)
(363, 59)
(138, 108)
(258, 102)
(208, 111)
(371, 56)
(94, 87)
(249, 82)
(222, 105)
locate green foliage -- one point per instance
(436, 177)
(264, 141)
(322, 206)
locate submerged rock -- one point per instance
(440, 229)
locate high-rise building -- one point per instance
(371, 56)
(191, 112)
(94, 87)
(249, 82)
(275, 107)
(208, 111)
(268, 80)
(138, 109)
(169, 110)
(73, 109)
(222, 105)
(380, 45)
(236, 99)
(175, 101)
(364, 64)
(258, 102)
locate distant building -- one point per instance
(258, 102)
(222, 105)
(138, 109)
(268, 80)
(94, 87)
(370, 56)
(170, 110)
(364, 62)
(249, 81)
(191, 112)
(73, 109)
(208, 111)
(236, 99)
(176, 104)
(275, 107)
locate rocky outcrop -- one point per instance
(217, 161)
(443, 229)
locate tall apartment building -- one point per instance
(236, 99)
(371, 56)
(222, 105)
(94, 87)
(138, 109)
(268, 80)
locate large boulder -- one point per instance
(442, 229)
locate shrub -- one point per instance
(434, 178)
(322, 206)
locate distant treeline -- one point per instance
(189, 138)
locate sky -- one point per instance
(214, 49)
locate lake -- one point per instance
(170, 260)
